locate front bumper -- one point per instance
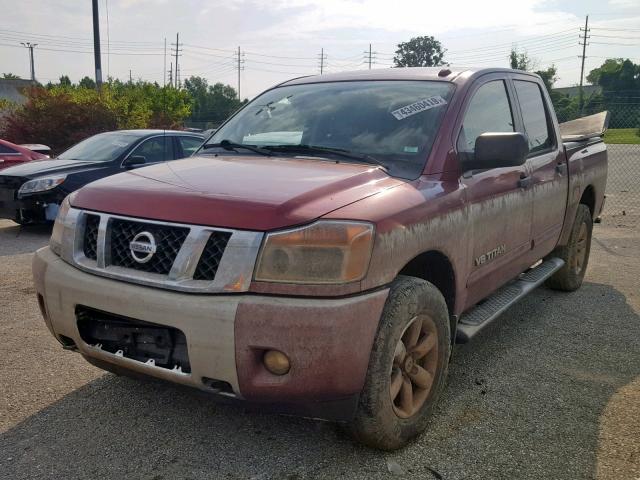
(34, 208)
(328, 341)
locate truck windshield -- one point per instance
(393, 123)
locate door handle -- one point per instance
(525, 181)
(561, 168)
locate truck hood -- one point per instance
(243, 192)
(39, 168)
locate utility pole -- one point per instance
(30, 46)
(584, 38)
(240, 62)
(177, 54)
(171, 75)
(369, 56)
(164, 68)
(130, 77)
(96, 44)
(322, 59)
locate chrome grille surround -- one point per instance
(234, 271)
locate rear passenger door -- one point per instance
(187, 146)
(499, 209)
(155, 149)
(546, 164)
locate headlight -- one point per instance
(41, 184)
(55, 242)
(325, 252)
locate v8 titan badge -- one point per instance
(143, 247)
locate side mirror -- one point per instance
(497, 150)
(134, 161)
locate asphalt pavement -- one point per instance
(550, 391)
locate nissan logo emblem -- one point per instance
(142, 247)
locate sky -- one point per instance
(282, 39)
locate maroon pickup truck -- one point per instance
(325, 248)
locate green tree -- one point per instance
(87, 82)
(65, 81)
(212, 104)
(616, 75)
(423, 51)
(63, 114)
(620, 82)
(549, 76)
(10, 76)
(521, 60)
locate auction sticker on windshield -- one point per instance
(419, 106)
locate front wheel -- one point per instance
(408, 366)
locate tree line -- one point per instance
(62, 113)
(618, 78)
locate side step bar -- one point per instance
(478, 317)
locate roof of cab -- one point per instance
(443, 74)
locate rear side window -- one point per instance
(158, 149)
(488, 111)
(5, 150)
(189, 145)
(534, 115)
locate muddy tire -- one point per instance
(407, 368)
(575, 253)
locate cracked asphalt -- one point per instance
(551, 390)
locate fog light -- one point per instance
(276, 362)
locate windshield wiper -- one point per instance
(232, 146)
(316, 149)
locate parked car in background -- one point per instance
(12, 154)
(32, 192)
(38, 148)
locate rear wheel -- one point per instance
(575, 253)
(407, 368)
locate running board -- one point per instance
(478, 317)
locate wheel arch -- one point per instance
(588, 198)
(436, 268)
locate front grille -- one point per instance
(168, 240)
(211, 256)
(134, 339)
(90, 245)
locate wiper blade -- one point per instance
(341, 152)
(233, 146)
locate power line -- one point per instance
(616, 44)
(64, 50)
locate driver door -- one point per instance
(499, 207)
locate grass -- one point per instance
(623, 135)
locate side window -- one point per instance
(488, 111)
(6, 150)
(534, 115)
(189, 145)
(158, 149)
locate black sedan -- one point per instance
(32, 192)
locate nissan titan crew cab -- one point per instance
(325, 248)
